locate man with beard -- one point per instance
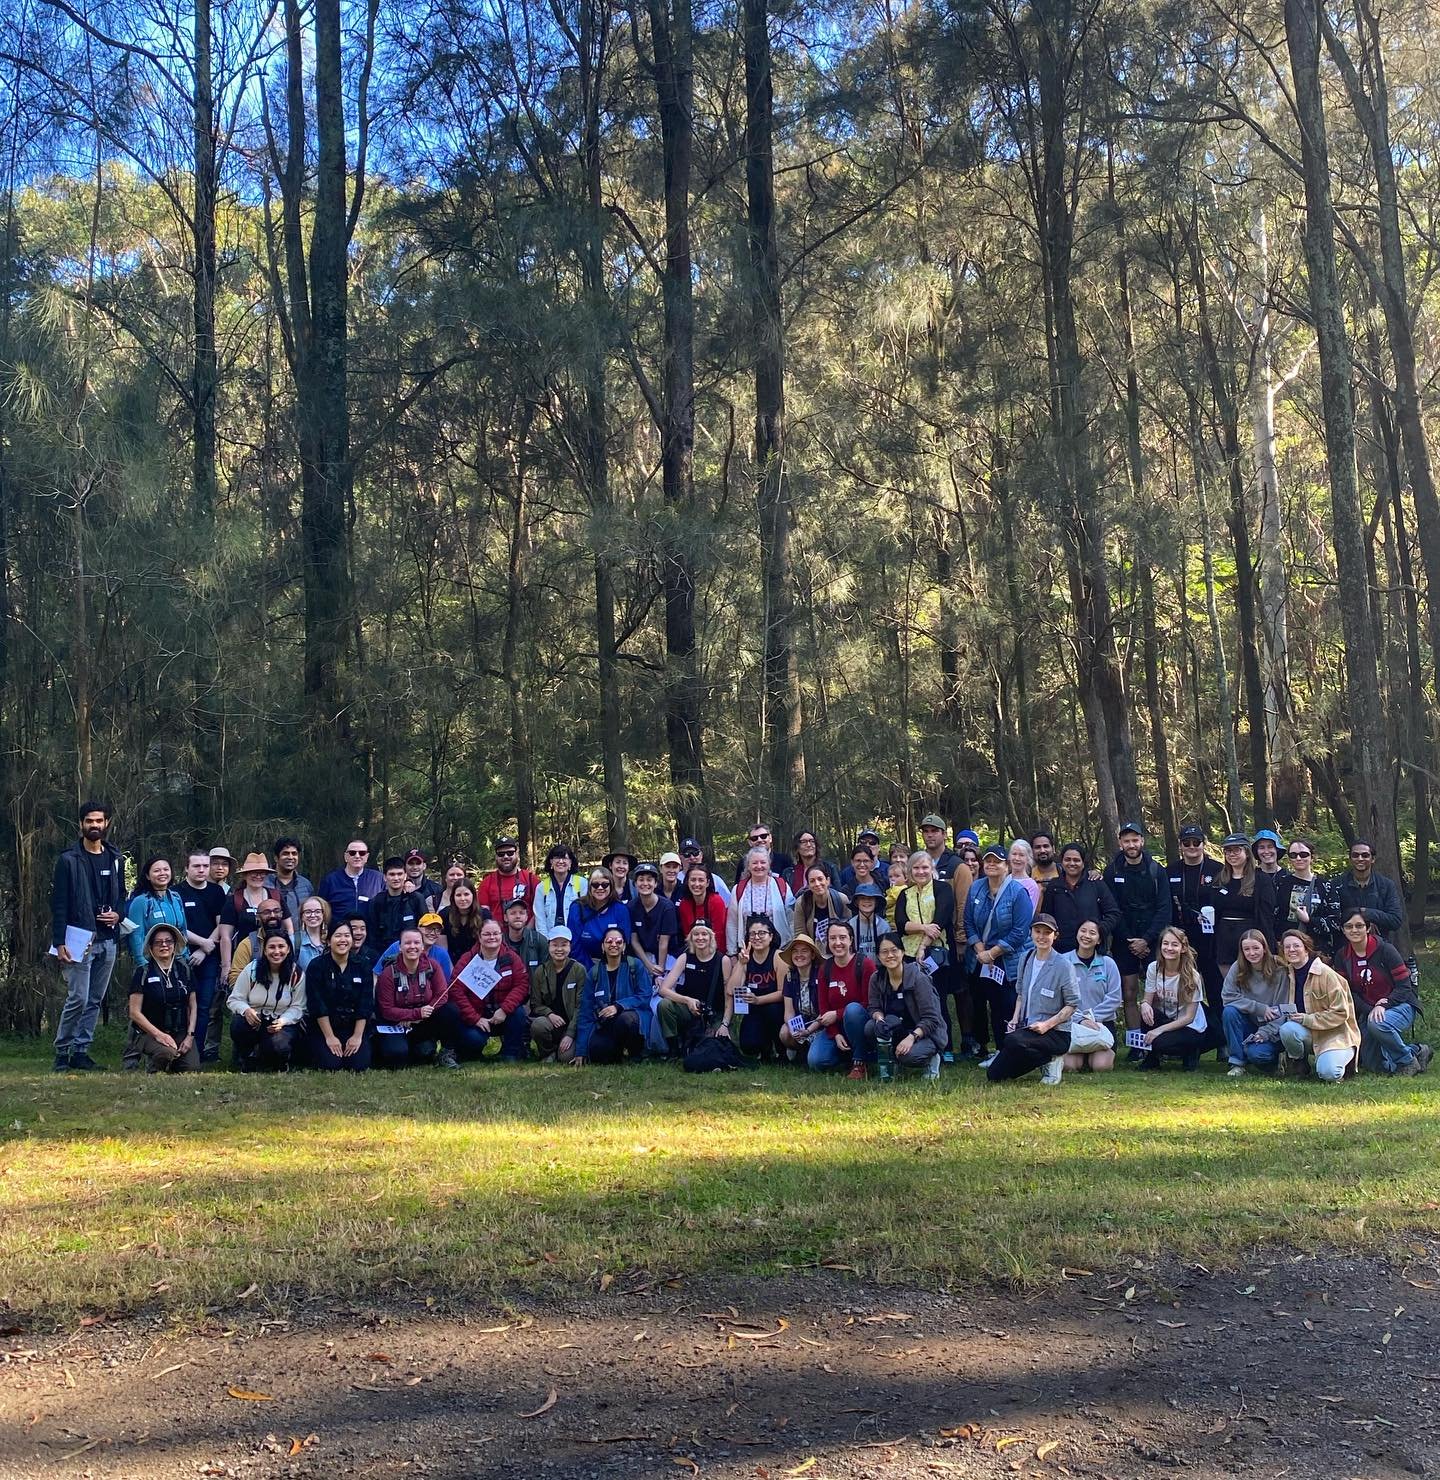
(1047, 866)
(1142, 890)
(1192, 910)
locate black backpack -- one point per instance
(714, 1055)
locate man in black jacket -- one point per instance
(1193, 911)
(397, 909)
(88, 895)
(1142, 890)
(1375, 896)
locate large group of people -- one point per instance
(1023, 957)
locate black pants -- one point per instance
(444, 1026)
(1182, 1043)
(994, 1007)
(258, 1049)
(322, 1058)
(615, 1037)
(760, 1030)
(1024, 1050)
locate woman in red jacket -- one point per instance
(493, 999)
(701, 901)
(844, 997)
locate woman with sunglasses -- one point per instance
(1306, 900)
(595, 912)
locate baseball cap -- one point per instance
(1131, 827)
(507, 842)
(671, 857)
(1190, 833)
(415, 856)
(691, 845)
(1042, 921)
(560, 932)
(932, 819)
(431, 919)
(646, 868)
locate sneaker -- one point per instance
(1150, 1061)
(85, 1063)
(1423, 1054)
(447, 1060)
(1237, 1071)
(62, 1063)
(932, 1067)
(1053, 1070)
(858, 1072)
(1135, 1055)
(1410, 1068)
(985, 1063)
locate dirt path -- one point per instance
(1295, 1367)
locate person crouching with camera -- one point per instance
(694, 996)
(267, 1005)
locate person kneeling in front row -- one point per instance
(497, 1003)
(1046, 997)
(1173, 1009)
(614, 1012)
(1324, 1021)
(555, 987)
(1097, 979)
(267, 1004)
(903, 1001)
(413, 1008)
(340, 993)
(163, 1004)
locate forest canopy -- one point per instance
(623, 421)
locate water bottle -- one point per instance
(884, 1052)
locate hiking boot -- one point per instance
(447, 1060)
(1410, 1068)
(85, 1063)
(1149, 1061)
(1423, 1054)
(858, 1072)
(1190, 1063)
(62, 1063)
(1135, 1056)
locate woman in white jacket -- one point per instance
(267, 1005)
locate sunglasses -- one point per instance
(1362, 856)
(759, 837)
(1298, 853)
(506, 852)
(599, 883)
(357, 853)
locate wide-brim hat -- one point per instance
(868, 890)
(255, 863)
(221, 851)
(176, 934)
(609, 859)
(800, 940)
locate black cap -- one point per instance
(691, 845)
(1192, 834)
(1135, 827)
(646, 868)
(1236, 840)
(507, 842)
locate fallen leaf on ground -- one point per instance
(802, 1467)
(1172, 1325)
(685, 1463)
(606, 1280)
(545, 1407)
(247, 1292)
(380, 1356)
(964, 1431)
(763, 1335)
(1049, 1447)
(1074, 1274)
(1007, 1441)
(248, 1396)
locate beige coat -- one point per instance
(1330, 1009)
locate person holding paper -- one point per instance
(87, 901)
(1097, 978)
(997, 926)
(1257, 1000)
(490, 989)
(800, 993)
(413, 1008)
(163, 1004)
(754, 982)
(1046, 997)
(1173, 1008)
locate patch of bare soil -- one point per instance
(1299, 1366)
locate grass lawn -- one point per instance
(121, 1190)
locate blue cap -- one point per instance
(1266, 835)
(1134, 827)
(967, 835)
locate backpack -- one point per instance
(715, 1055)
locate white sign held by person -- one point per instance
(480, 976)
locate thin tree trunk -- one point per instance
(782, 761)
(1372, 766)
(516, 624)
(672, 37)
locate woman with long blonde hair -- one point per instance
(1173, 1010)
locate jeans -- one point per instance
(1329, 1065)
(1389, 1036)
(824, 1053)
(206, 977)
(259, 1049)
(86, 982)
(1238, 1025)
(514, 1038)
(760, 1030)
(616, 1036)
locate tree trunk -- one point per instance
(1373, 767)
(782, 761)
(1372, 110)
(204, 373)
(516, 624)
(672, 36)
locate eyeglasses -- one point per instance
(1298, 853)
(357, 853)
(1361, 856)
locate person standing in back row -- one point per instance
(507, 881)
(1375, 896)
(1142, 890)
(88, 894)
